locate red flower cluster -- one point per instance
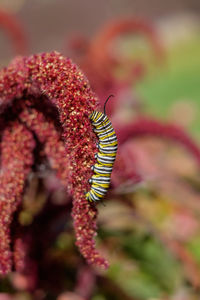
(16, 160)
(33, 87)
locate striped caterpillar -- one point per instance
(107, 146)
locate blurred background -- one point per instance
(146, 53)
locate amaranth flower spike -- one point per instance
(52, 77)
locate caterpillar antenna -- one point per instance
(106, 103)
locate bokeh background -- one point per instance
(149, 227)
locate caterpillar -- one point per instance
(107, 147)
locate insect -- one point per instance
(107, 146)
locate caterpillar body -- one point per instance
(107, 147)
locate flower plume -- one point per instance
(55, 80)
(16, 160)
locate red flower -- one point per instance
(16, 160)
(50, 76)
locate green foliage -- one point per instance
(148, 269)
(194, 248)
(177, 80)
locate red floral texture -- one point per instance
(15, 30)
(46, 132)
(58, 80)
(99, 63)
(16, 160)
